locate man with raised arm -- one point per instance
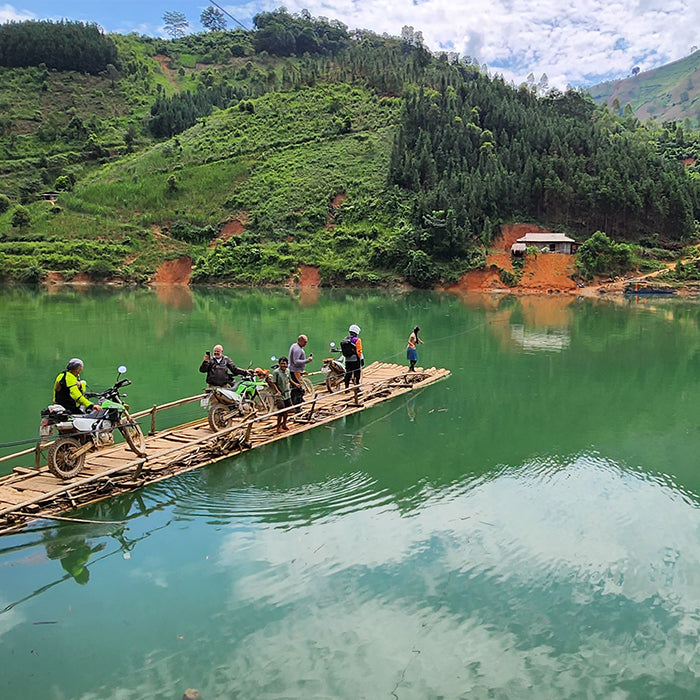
(297, 366)
(220, 369)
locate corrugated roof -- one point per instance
(546, 238)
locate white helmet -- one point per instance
(354, 329)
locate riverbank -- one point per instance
(545, 273)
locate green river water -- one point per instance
(528, 528)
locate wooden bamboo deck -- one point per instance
(31, 493)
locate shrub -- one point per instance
(184, 231)
(420, 270)
(4, 203)
(21, 217)
(600, 255)
(31, 273)
(508, 278)
(64, 183)
(100, 269)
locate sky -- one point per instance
(578, 44)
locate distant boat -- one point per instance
(639, 288)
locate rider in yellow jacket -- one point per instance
(69, 390)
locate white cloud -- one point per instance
(9, 14)
(581, 43)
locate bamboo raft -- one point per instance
(33, 493)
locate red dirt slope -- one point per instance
(545, 273)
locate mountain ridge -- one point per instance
(670, 92)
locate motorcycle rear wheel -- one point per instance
(60, 459)
(133, 435)
(220, 417)
(333, 381)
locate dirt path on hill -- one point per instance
(618, 285)
(168, 72)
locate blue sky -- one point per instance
(578, 43)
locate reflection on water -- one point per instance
(527, 529)
(528, 582)
(549, 340)
(73, 553)
(175, 296)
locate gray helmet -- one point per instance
(354, 329)
(74, 363)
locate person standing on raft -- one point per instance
(412, 349)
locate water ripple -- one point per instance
(336, 496)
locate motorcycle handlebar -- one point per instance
(122, 382)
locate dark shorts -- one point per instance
(282, 403)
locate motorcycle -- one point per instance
(243, 398)
(334, 369)
(80, 433)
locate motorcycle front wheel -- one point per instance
(263, 401)
(309, 391)
(133, 435)
(220, 417)
(60, 459)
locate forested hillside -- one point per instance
(301, 143)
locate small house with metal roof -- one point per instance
(546, 242)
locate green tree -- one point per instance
(20, 217)
(61, 45)
(599, 255)
(112, 73)
(4, 203)
(213, 19)
(63, 184)
(176, 23)
(420, 270)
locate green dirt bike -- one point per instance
(240, 400)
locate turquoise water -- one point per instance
(528, 528)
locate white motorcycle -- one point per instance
(80, 433)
